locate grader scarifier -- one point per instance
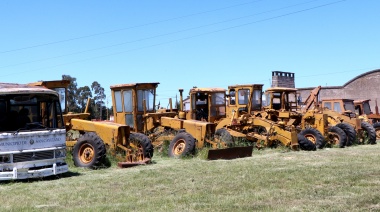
(134, 105)
(89, 140)
(234, 117)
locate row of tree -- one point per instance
(77, 99)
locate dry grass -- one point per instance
(276, 180)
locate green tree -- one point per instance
(83, 94)
(72, 97)
(99, 97)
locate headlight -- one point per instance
(5, 158)
(61, 153)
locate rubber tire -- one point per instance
(319, 140)
(144, 142)
(305, 144)
(377, 129)
(225, 136)
(94, 142)
(350, 132)
(371, 133)
(341, 135)
(185, 139)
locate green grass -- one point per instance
(271, 180)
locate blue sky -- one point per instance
(181, 44)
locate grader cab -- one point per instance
(134, 105)
(89, 140)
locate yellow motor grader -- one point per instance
(233, 114)
(134, 105)
(89, 140)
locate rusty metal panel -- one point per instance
(172, 122)
(283, 114)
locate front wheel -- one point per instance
(368, 134)
(314, 136)
(377, 129)
(182, 144)
(89, 151)
(336, 136)
(350, 132)
(305, 144)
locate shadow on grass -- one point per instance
(39, 179)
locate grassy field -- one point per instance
(271, 180)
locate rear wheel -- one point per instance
(89, 151)
(377, 130)
(350, 132)
(314, 136)
(368, 134)
(336, 136)
(182, 144)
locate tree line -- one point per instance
(77, 99)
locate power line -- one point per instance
(131, 27)
(161, 35)
(184, 38)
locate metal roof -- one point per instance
(208, 90)
(14, 88)
(134, 85)
(281, 89)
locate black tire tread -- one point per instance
(99, 149)
(371, 132)
(341, 134)
(305, 144)
(189, 144)
(350, 132)
(319, 139)
(145, 143)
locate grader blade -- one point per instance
(131, 164)
(230, 153)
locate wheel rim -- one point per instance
(86, 153)
(334, 138)
(377, 133)
(179, 147)
(311, 138)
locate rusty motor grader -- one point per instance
(343, 110)
(363, 109)
(310, 115)
(134, 105)
(233, 114)
(89, 140)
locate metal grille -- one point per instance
(31, 156)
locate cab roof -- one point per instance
(14, 88)
(278, 89)
(131, 85)
(207, 90)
